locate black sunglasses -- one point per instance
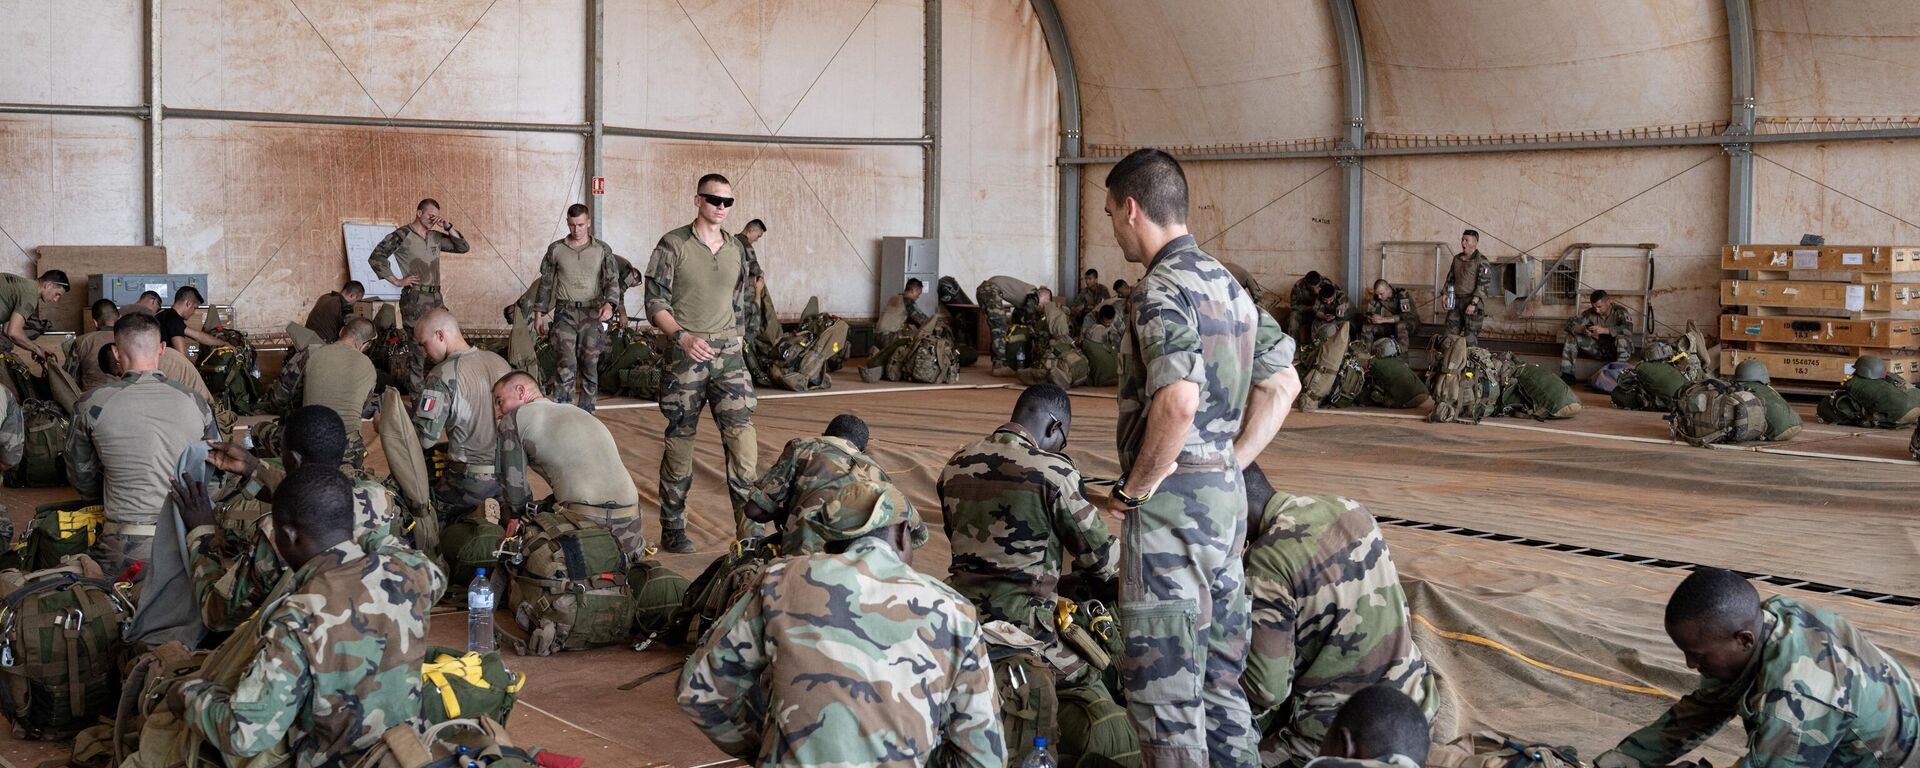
(717, 201)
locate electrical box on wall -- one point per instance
(906, 258)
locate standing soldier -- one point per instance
(1198, 400)
(1000, 297)
(1389, 312)
(458, 401)
(576, 455)
(699, 282)
(1469, 282)
(418, 246)
(579, 288)
(1603, 328)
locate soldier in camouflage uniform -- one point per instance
(576, 455)
(699, 283)
(809, 473)
(1329, 618)
(902, 316)
(1603, 328)
(848, 657)
(1001, 297)
(341, 645)
(1378, 728)
(125, 439)
(13, 432)
(579, 288)
(1469, 283)
(1088, 299)
(1058, 359)
(1330, 308)
(417, 246)
(1191, 348)
(458, 402)
(338, 375)
(1809, 688)
(233, 569)
(1389, 313)
(1302, 297)
(1014, 513)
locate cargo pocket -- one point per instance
(1161, 661)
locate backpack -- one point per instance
(716, 588)
(60, 649)
(634, 368)
(451, 744)
(1094, 730)
(1350, 382)
(1713, 411)
(1103, 364)
(1649, 386)
(469, 543)
(927, 358)
(1486, 749)
(1535, 392)
(1391, 383)
(949, 292)
(1317, 384)
(456, 684)
(1608, 377)
(57, 531)
(231, 373)
(1025, 698)
(1782, 422)
(1465, 385)
(658, 593)
(822, 345)
(43, 464)
(1877, 403)
(569, 589)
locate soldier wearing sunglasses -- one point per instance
(699, 286)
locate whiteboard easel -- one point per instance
(361, 237)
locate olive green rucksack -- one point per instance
(469, 543)
(712, 592)
(1103, 364)
(57, 531)
(569, 590)
(59, 649)
(232, 373)
(1885, 403)
(1465, 383)
(927, 357)
(1537, 393)
(43, 464)
(658, 592)
(1028, 703)
(1649, 386)
(1782, 421)
(1094, 729)
(1317, 382)
(1712, 411)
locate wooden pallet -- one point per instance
(1876, 333)
(1873, 297)
(1823, 367)
(1877, 260)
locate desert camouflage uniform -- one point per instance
(723, 384)
(574, 327)
(1183, 604)
(339, 662)
(1329, 619)
(1470, 277)
(419, 257)
(847, 659)
(1620, 343)
(1398, 306)
(458, 401)
(1818, 693)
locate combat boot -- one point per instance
(675, 540)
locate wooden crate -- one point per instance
(1815, 366)
(1786, 329)
(1858, 259)
(1815, 294)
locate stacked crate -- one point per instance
(1809, 311)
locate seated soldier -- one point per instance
(1015, 514)
(1310, 559)
(1301, 298)
(1054, 355)
(1389, 314)
(1809, 689)
(1104, 329)
(337, 375)
(902, 315)
(458, 402)
(1603, 330)
(808, 473)
(1329, 310)
(1871, 397)
(332, 312)
(234, 567)
(1378, 728)
(848, 656)
(339, 655)
(83, 358)
(1782, 421)
(573, 451)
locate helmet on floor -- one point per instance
(1752, 370)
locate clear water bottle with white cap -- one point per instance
(480, 613)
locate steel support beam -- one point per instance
(755, 138)
(82, 110)
(930, 120)
(155, 176)
(1740, 153)
(1067, 80)
(596, 106)
(1353, 99)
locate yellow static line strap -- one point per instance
(1504, 648)
(466, 668)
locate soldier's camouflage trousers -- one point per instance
(1186, 618)
(415, 302)
(579, 340)
(1610, 347)
(1459, 324)
(1065, 366)
(623, 522)
(459, 492)
(999, 310)
(724, 386)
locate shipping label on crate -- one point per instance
(1856, 298)
(1806, 259)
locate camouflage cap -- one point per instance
(863, 507)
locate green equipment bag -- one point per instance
(928, 357)
(469, 543)
(57, 531)
(1465, 384)
(60, 635)
(1326, 356)
(1782, 421)
(1350, 382)
(1537, 393)
(635, 367)
(569, 589)
(714, 590)
(1877, 403)
(658, 593)
(1486, 749)
(1391, 383)
(1027, 701)
(1650, 386)
(1103, 364)
(1713, 411)
(1094, 730)
(43, 464)
(456, 684)
(458, 743)
(231, 373)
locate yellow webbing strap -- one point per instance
(1504, 648)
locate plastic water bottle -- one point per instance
(1039, 757)
(480, 613)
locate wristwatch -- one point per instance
(675, 338)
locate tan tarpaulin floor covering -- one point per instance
(1539, 644)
